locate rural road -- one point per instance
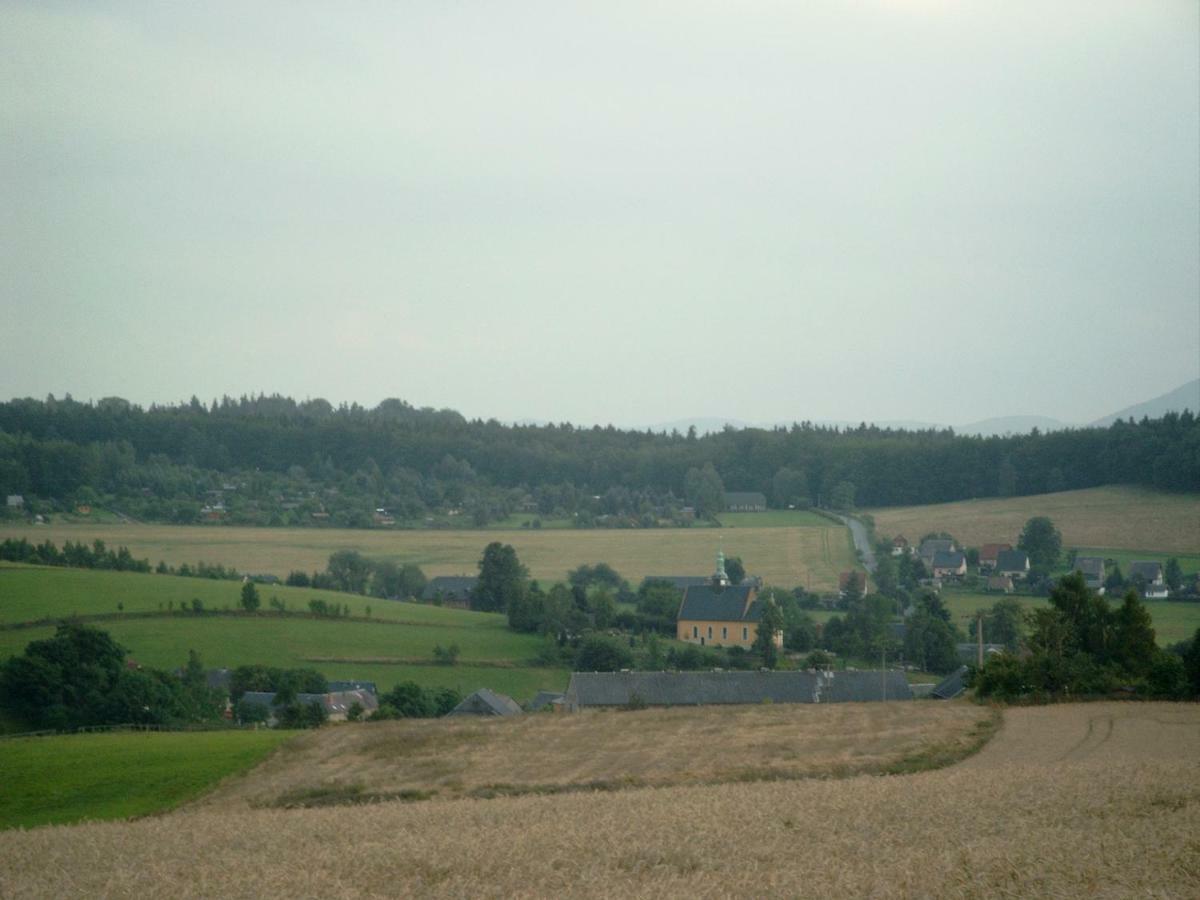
(862, 543)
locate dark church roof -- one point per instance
(704, 688)
(703, 602)
(679, 582)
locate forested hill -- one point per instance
(276, 460)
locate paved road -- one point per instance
(862, 543)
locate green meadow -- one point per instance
(29, 593)
(1188, 562)
(399, 648)
(69, 778)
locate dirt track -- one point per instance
(1115, 732)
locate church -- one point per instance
(720, 614)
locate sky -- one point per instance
(626, 212)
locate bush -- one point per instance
(248, 711)
(446, 656)
(600, 653)
(818, 659)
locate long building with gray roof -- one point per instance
(589, 689)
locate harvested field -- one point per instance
(1122, 821)
(607, 750)
(810, 555)
(1117, 517)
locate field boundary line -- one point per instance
(225, 613)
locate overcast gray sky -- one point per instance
(633, 212)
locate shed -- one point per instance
(952, 685)
(545, 700)
(450, 589)
(745, 501)
(486, 703)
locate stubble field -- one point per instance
(811, 555)
(1097, 800)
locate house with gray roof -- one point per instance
(930, 546)
(337, 704)
(601, 689)
(1013, 563)
(745, 501)
(545, 700)
(450, 590)
(486, 703)
(718, 615)
(1149, 575)
(1092, 570)
(337, 686)
(948, 564)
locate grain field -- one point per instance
(1108, 517)
(1119, 820)
(809, 555)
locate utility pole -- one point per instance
(883, 669)
(979, 638)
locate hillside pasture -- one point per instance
(1108, 805)
(396, 644)
(340, 649)
(1126, 517)
(29, 593)
(610, 750)
(806, 555)
(70, 778)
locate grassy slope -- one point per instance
(808, 554)
(1124, 517)
(28, 593)
(163, 642)
(110, 776)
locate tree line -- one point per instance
(1081, 646)
(273, 460)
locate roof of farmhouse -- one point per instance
(703, 688)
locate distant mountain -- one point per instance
(1002, 425)
(1184, 397)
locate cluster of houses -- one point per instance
(1003, 565)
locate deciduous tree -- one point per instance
(1042, 542)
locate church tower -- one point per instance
(720, 579)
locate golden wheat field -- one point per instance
(1059, 804)
(607, 750)
(808, 555)
(1117, 517)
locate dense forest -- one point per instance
(275, 460)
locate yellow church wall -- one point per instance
(721, 634)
